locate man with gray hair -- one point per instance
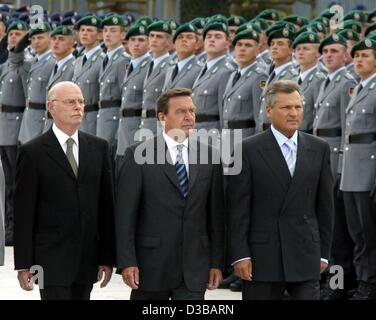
(281, 204)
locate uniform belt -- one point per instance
(109, 104)
(36, 106)
(11, 109)
(265, 126)
(239, 124)
(360, 138)
(148, 113)
(92, 107)
(128, 113)
(331, 133)
(308, 131)
(206, 117)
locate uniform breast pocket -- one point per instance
(243, 104)
(365, 115)
(328, 110)
(205, 99)
(42, 83)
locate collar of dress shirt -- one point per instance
(64, 60)
(244, 70)
(365, 82)
(91, 52)
(136, 61)
(332, 75)
(62, 137)
(211, 63)
(112, 52)
(171, 143)
(183, 62)
(304, 74)
(159, 59)
(43, 55)
(279, 69)
(281, 138)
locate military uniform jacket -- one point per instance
(64, 73)
(13, 75)
(359, 160)
(185, 77)
(351, 68)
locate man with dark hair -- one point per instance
(169, 217)
(281, 204)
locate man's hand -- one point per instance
(24, 278)
(215, 278)
(243, 269)
(22, 44)
(131, 277)
(323, 266)
(107, 271)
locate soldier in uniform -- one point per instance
(358, 181)
(131, 100)
(306, 47)
(352, 37)
(187, 67)
(13, 75)
(233, 24)
(159, 34)
(200, 23)
(34, 116)
(263, 42)
(87, 69)
(329, 124)
(111, 78)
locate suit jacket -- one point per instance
(2, 213)
(63, 223)
(284, 224)
(168, 237)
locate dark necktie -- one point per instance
(300, 81)
(360, 87)
(130, 68)
(271, 68)
(105, 61)
(204, 70)
(150, 68)
(236, 78)
(181, 170)
(327, 81)
(175, 72)
(271, 77)
(84, 60)
(55, 69)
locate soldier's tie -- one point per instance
(181, 170)
(105, 61)
(151, 66)
(327, 81)
(300, 81)
(84, 60)
(203, 71)
(290, 156)
(236, 78)
(70, 156)
(175, 72)
(130, 69)
(55, 69)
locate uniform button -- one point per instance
(225, 110)
(327, 104)
(17, 118)
(142, 123)
(87, 81)
(10, 80)
(145, 90)
(239, 97)
(205, 91)
(31, 79)
(373, 157)
(335, 149)
(121, 120)
(122, 99)
(78, 83)
(29, 88)
(156, 90)
(260, 111)
(347, 149)
(102, 83)
(39, 78)
(108, 80)
(143, 101)
(363, 110)
(228, 99)
(134, 87)
(317, 117)
(348, 123)
(44, 119)
(114, 117)
(125, 88)
(98, 115)
(351, 111)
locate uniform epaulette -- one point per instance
(229, 66)
(373, 85)
(103, 55)
(144, 63)
(349, 76)
(338, 78)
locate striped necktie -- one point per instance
(181, 170)
(290, 156)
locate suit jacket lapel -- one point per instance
(83, 155)
(194, 158)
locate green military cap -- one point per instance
(173, 24)
(260, 22)
(18, 25)
(145, 20)
(320, 26)
(136, 29)
(365, 44)
(186, 27)
(371, 14)
(285, 32)
(353, 25)
(306, 37)
(246, 34)
(160, 26)
(62, 30)
(269, 14)
(89, 21)
(372, 35)
(218, 18)
(357, 15)
(371, 27)
(199, 22)
(349, 34)
(325, 21)
(40, 28)
(297, 20)
(248, 26)
(219, 26)
(280, 25)
(308, 28)
(236, 21)
(113, 20)
(332, 39)
(327, 14)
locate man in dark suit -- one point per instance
(281, 204)
(64, 204)
(169, 215)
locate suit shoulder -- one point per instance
(313, 141)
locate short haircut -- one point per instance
(164, 98)
(281, 86)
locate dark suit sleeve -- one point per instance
(239, 198)
(24, 202)
(325, 204)
(106, 213)
(129, 188)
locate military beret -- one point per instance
(69, 21)
(325, 21)
(173, 24)
(145, 20)
(218, 18)
(349, 34)
(137, 29)
(365, 44)
(54, 24)
(280, 25)
(18, 25)
(113, 20)
(89, 21)
(69, 13)
(5, 8)
(320, 26)
(219, 26)
(372, 35)
(248, 26)
(24, 17)
(306, 37)
(246, 34)
(269, 14)
(4, 17)
(371, 27)
(62, 30)
(308, 28)
(261, 23)
(199, 23)
(236, 21)
(332, 39)
(353, 25)
(42, 28)
(327, 14)
(160, 26)
(357, 15)
(371, 14)
(286, 33)
(56, 17)
(297, 20)
(186, 27)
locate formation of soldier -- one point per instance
(122, 66)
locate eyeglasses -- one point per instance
(72, 102)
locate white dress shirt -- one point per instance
(63, 137)
(61, 62)
(172, 149)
